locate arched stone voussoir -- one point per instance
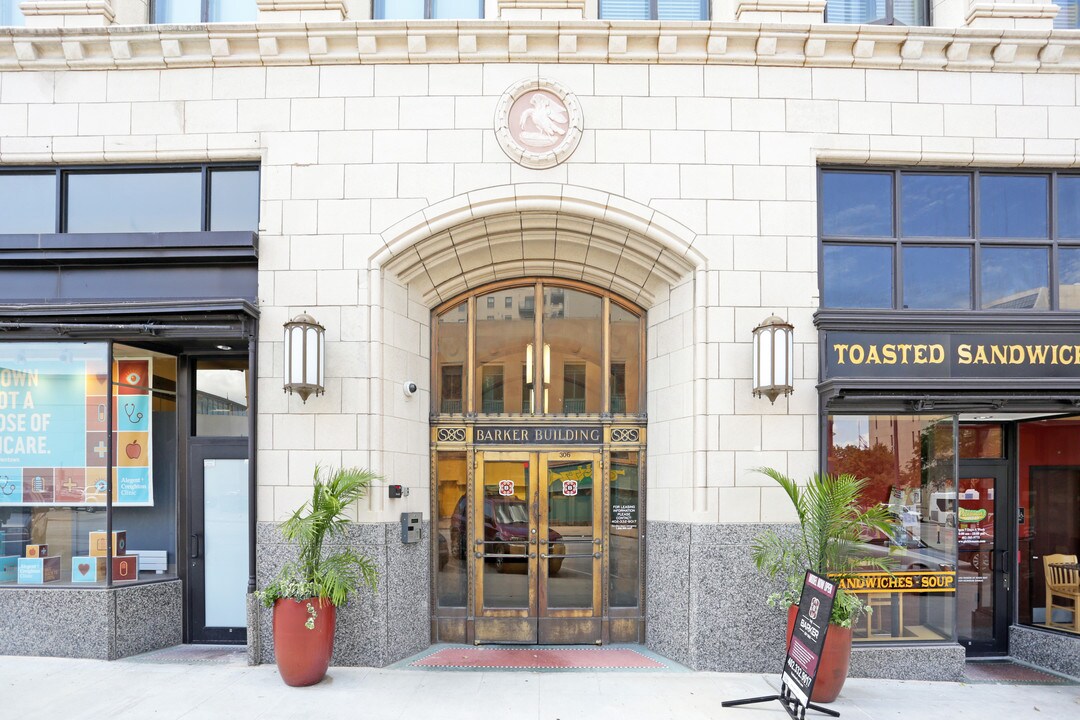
(545, 229)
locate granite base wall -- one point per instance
(705, 608)
(374, 629)
(1052, 650)
(705, 600)
(97, 623)
(908, 662)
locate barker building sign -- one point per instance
(951, 355)
(539, 434)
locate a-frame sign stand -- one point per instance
(803, 651)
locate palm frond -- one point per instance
(832, 525)
(326, 516)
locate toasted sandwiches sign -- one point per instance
(951, 355)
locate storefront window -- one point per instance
(134, 202)
(858, 276)
(994, 247)
(1015, 278)
(981, 442)
(147, 516)
(857, 204)
(123, 199)
(187, 12)
(937, 277)
(428, 9)
(1069, 278)
(451, 528)
(654, 10)
(1048, 519)
(27, 203)
(234, 199)
(1068, 199)
(10, 14)
(54, 464)
(625, 530)
(1013, 206)
(910, 464)
(935, 205)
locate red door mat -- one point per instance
(539, 659)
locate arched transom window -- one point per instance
(496, 354)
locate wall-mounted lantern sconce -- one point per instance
(773, 349)
(304, 355)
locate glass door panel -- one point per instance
(225, 541)
(537, 547)
(982, 560)
(504, 547)
(218, 546)
(572, 531)
(570, 505)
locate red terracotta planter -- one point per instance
(303, 639)
(835, 659)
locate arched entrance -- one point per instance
(538, 449)
(635, 259)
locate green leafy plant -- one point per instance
(832, 527)
(329, 576)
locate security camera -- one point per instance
(409, 388)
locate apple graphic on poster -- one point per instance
(133, 449)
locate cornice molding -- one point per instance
(1024, 11)
(590, 41)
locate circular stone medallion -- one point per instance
(538, 123)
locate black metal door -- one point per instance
(985, 559)
(217, 542)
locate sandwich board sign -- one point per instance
(803, 650)
(808, 636)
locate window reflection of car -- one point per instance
(506, 532)
(908, 551)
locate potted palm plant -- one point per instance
(832, 524)
(306, 593)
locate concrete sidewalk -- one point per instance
(54, 688)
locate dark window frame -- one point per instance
(977, 241)
(61, 174)
(654, 10)
(429, 11)
(890, 14)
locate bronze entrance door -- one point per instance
(537, 547)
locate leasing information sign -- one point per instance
(54, 428)
(808, 636)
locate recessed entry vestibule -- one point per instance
(538, 455)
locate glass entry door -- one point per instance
(218, 541)
(538, 547)
(984, 564)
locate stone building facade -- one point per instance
(385, 191)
